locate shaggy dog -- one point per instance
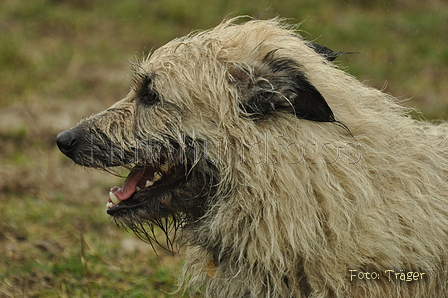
(286, 176)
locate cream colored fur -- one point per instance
(308, 201)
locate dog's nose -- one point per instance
(66, 141)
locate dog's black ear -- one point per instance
(325, 52)
(280, 85)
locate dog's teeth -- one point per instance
(164, 167)
(113, 198)
(157, 176)
(109, 205)
(137, 188)
(149, 183)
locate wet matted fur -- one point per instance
(286, 176)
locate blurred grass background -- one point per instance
(64, 59)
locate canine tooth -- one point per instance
(164, 167)
(148, 183)
(157, 176)
(109, 205)
(114, 198)
(138, 188)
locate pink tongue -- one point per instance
(129, 186)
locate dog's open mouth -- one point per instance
(144, 182)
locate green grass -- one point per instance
(63, 59)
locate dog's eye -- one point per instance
(148, 96)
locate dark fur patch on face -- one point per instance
(143, 85)
(279, 85)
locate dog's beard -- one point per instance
(171, 192)
(169, 185)
(167, 199)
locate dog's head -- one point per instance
(192, 103)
